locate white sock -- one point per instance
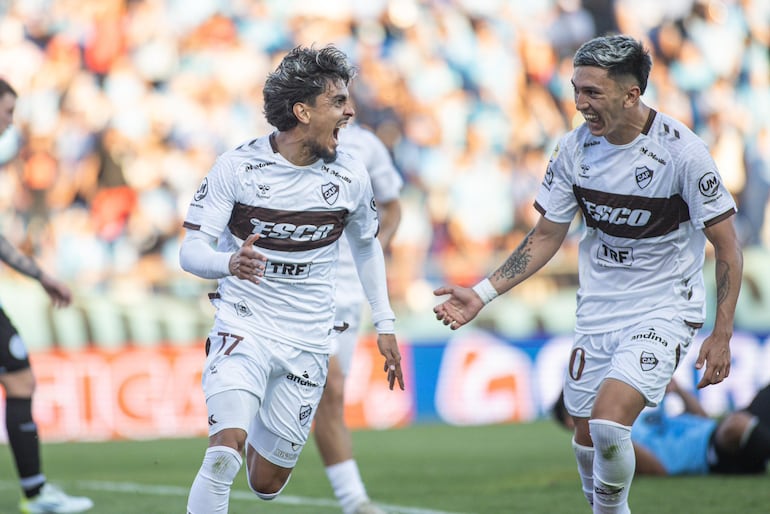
(347, 484)
(210, 491)
(585, 464)
(614, 464)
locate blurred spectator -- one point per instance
(123, 106)
(754, 198)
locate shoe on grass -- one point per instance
(53, 500)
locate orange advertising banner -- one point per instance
(155, 392)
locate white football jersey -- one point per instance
(645, 205)
(300, 213)
(386, 184)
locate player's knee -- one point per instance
(221, 464)
(267, 488)
(231, 437)
(609, 437)
(614, 461)
(582, 432)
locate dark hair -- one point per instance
(5, 88)
(619, 55)
(302, 75)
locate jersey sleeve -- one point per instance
(703, 189)
(362, 223)
(555, 199)
(386, 181)
(212, 204)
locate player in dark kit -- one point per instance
(17, 378)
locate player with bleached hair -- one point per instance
(650, 196)
(275, 207)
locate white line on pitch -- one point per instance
(170, 490)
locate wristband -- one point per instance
(385, 326)
(486, 291)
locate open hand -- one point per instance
(462, 306)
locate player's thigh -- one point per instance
(281, 429)
(293, 393)
(590, 361)
(13, 351)
(231, 409)
(235, 375)
(648, 353)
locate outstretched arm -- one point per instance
(59, 293)
(534, 251)
(715, 350)
(370, 264)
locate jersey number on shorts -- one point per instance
(577, 362)
(229, 340)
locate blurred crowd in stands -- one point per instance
(124, 105)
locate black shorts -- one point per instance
(741, 463)
(13, 352)
(731, 464)
(760, 406)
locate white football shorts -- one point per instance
(287, 382)
(644, 356)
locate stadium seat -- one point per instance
(105, 321)
(28, 307)
(557, 312)
(70, 327)
(418, 326)
(143, 319)
(182, 322)
(511, 316)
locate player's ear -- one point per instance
(301, 112)
(633, 93)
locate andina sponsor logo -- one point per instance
(303, 380)
(650, 335)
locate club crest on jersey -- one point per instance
(202, 191)
(548, 179)
(330, 192)
(648, 361)
(643, 176)
(242, 309)
(305, 414)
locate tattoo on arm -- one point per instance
(17, 260)
(517, 262)
(723, 280)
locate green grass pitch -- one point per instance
(424, 469)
